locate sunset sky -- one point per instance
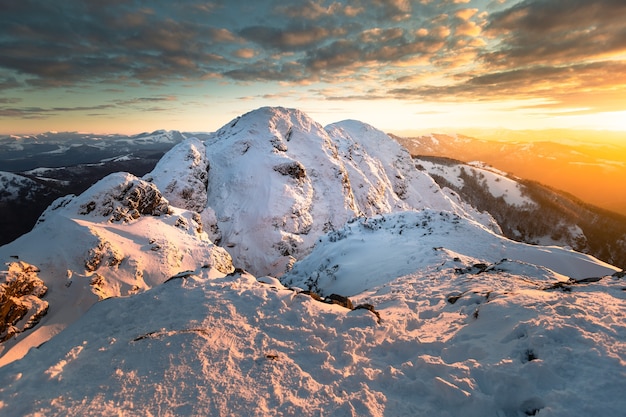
(131, 66)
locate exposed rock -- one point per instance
(341, 300)
(105, 254)
(21, 306)
(294, 170)
(127, 201)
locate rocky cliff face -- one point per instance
(21, 304)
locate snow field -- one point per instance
(201, 346)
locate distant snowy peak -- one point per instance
(14, 186)
(160, 136)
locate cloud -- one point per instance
(465, 14)
(245, 53)
(595, 86)
(73, 42)
(394, 10)
(286, 39)
(310, 10)
(42, 112)
(222, 35)
(9, 83)
(561, 52)
(10, 100)
(269, 70)
(34, 112)
(143, 100)
(556, 32)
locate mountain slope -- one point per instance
(277, 181)
(118, 238)
(450, 337)
(530, 212)
(589, 168)
(345, 262)
(51, 165)
(146, 315)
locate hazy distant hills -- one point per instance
(592, 171)
(37, 169)
(528, 211)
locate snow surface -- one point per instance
(85, 257)
(507, 346)
(278, 180)
(12, 185)
(348, 262)
(496, 182)
(147, 316)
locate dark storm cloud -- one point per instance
(41, 112)
(556, 32)
(287, 39)
(65, 43)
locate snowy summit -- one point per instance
(277, 267)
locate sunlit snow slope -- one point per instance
(278, 180)
(446, 317)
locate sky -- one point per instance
(128, 66)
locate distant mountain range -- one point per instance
(592, 171)
(530, 212)
(279, 267)
(50, 165)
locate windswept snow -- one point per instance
(147, 315)
(356, 258)
(449, 343)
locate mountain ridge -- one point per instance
(452, 317)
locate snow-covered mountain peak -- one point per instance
(118, 238)
(280, 121)
(445, 315)
(289, 181)
(182, 174)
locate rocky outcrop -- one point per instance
(21, 304)
(127, 201)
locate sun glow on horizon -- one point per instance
(395, 65)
